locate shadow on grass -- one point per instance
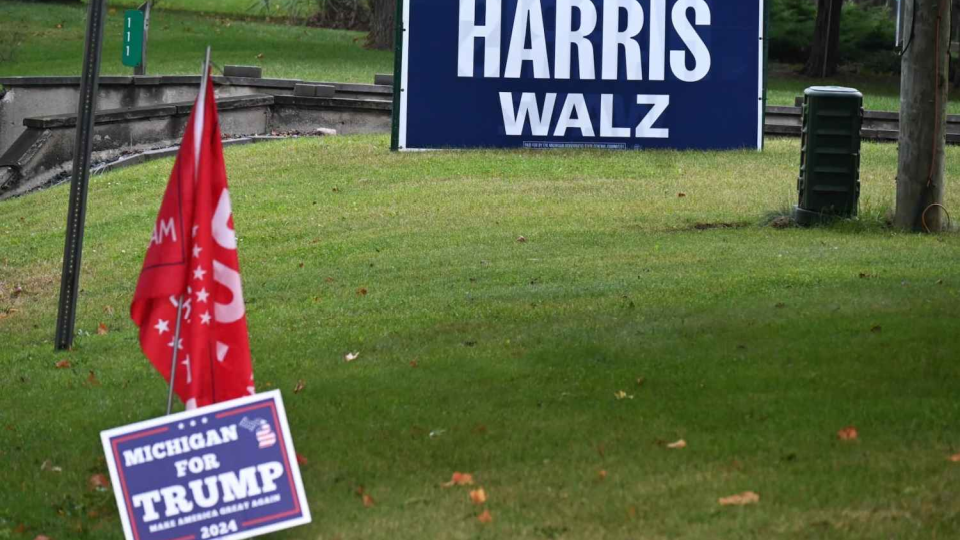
(870, 219)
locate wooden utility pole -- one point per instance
(923, 116)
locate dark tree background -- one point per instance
(382, 29)
(825, 49)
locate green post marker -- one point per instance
(132, 50)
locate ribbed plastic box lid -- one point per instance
(836, 91)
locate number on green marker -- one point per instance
(132, 50)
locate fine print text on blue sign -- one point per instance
(582, 73)
(227, 471)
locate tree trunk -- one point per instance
(923, 117)
(825, 49)
(382, 28)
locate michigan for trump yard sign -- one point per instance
(226, 471)
(685, 74)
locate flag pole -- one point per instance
(176, 347)
(176, 333)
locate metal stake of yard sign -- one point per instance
(397, 75)
(142, 68)
(176, 332)
(83, 145)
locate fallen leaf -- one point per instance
(678, 445)
(602, 475)
(955, 458)
(413, 363)
(49, 466)
(301, 265)
(59, 26)
(350, 357)
(780, 305)
(301, 384)
(876, 329)
(301, 460)
(478, 496)
(108, 310)
(17, 291)
(459, 479)
(98, 482)
(641, 380)
(681, 195)
(367, 500)
(521, 239)
(747, 497)
(92, 379)
(102, 330)
(64, 364)
(622, 395)
(485, 517)
(848, 433)
(362, 291)
(260, 56)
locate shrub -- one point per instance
(865, 29)
(342, 14)
(866, 32)
(791, 30)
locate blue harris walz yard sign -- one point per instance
(226, 471)
(684, 74)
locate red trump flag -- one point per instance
(193, 255)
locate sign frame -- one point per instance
(111, 437)
(398, 140)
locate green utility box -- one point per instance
(829, 183)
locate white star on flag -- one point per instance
(162, 326)
(179, 344)
(199, 273)
(205, 318)
(197, 250)
(195, 229)
(202, 295)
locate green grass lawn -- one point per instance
(229, 7)
(179, 36)
(880, 93)
(756, 345)
(177, 43)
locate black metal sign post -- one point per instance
(76, 214)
